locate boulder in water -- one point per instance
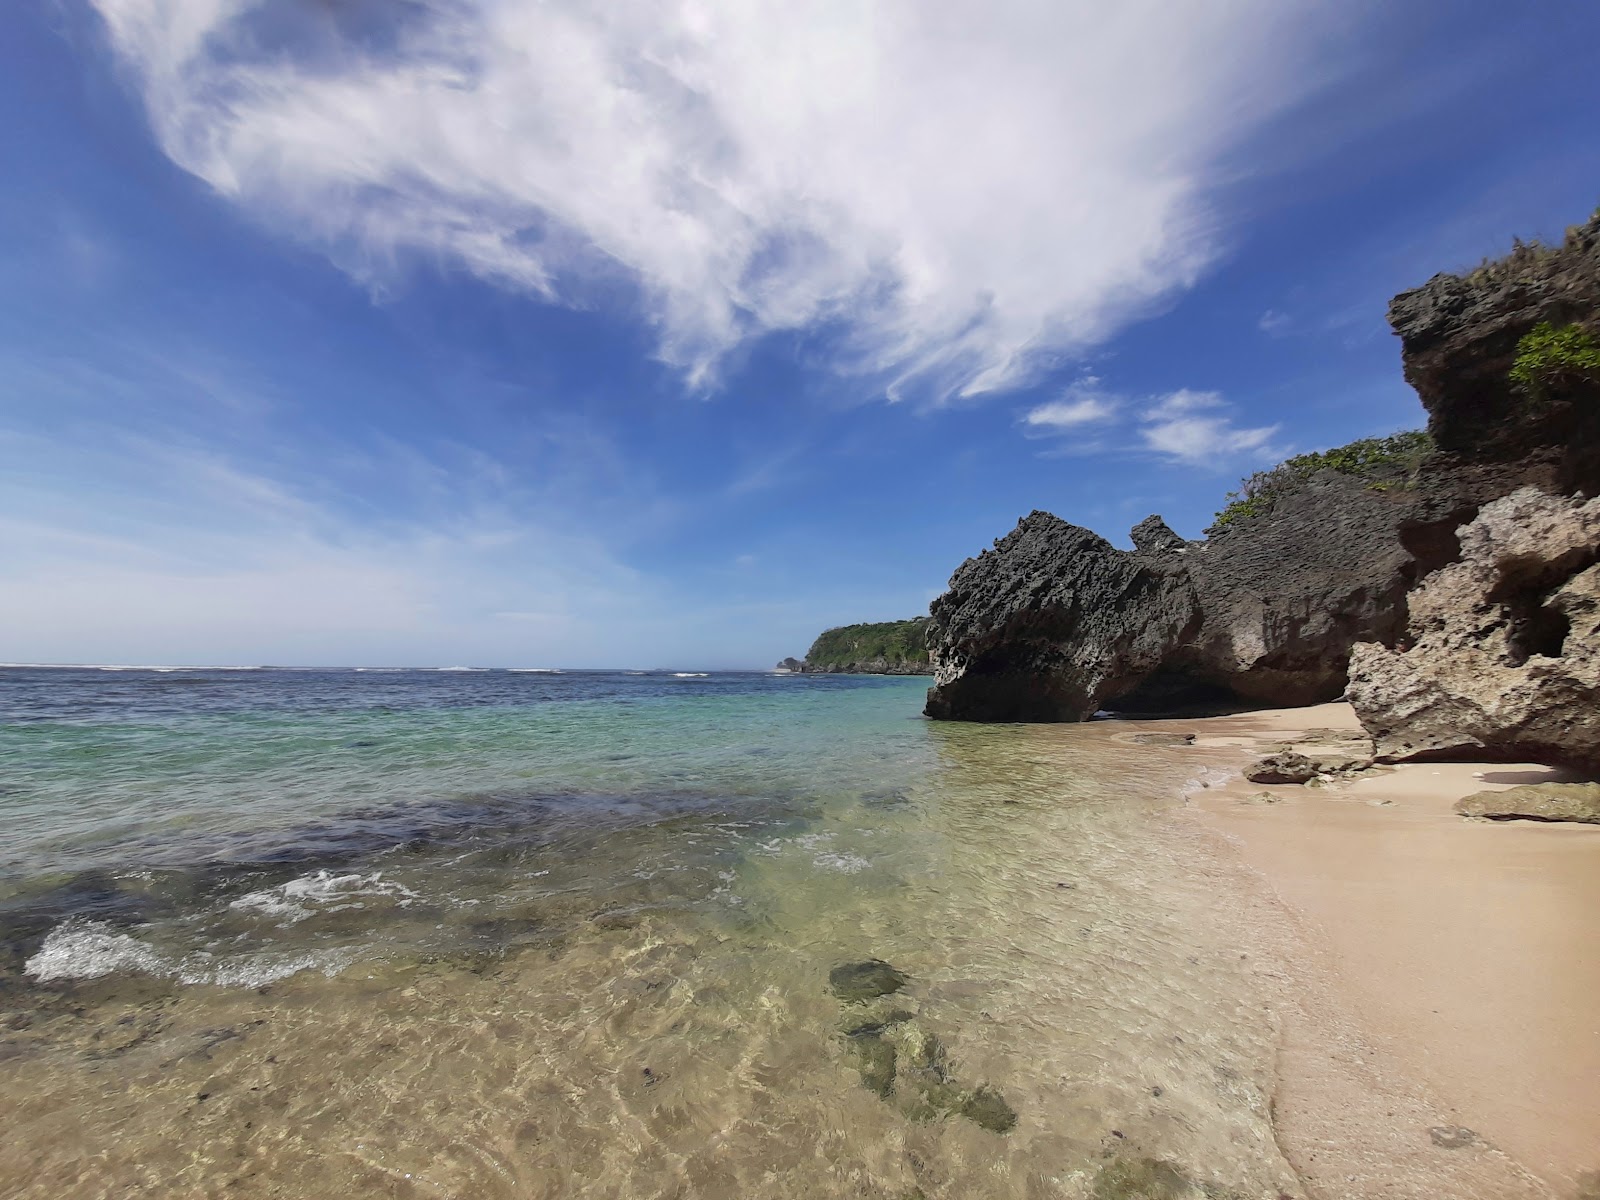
(859, 981)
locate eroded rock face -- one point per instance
(1153, 536)
(1055, 623)
(1536, 802)
(1051, 623)
(1505, 644)
(1458, 338)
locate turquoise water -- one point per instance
(489, 933)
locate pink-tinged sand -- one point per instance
(1467, 951)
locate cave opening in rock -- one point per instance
(1540, 630)
(1174, 689)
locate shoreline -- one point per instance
(1435, 976)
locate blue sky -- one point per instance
(670, 333)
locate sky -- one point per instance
(667, 333)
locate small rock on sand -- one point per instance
(1536, 802)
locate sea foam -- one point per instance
(90, 949)
(323, 891)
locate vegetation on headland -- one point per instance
(894, 642)
(1385, 462)
(1551, 358)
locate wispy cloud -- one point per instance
(960, 193)
(1193, 427)
(1083, 403)
(1188, 426)
(1275, 323)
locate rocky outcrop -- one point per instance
(1459, 339)
(1503, 653)
(1054, 623)
(1315, 755)
(1152, 536)
(1536, 802)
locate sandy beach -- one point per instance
(1440, 1030)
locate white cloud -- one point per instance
(1274, 323)
(1181, 402)
(961, 192)
(1189, 426)
(1081, 404)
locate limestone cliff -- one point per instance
(1503, 653)
(1317, 556)
(1055, 623)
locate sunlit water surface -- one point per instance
(482, 934)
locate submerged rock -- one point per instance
(906, 1065)
(988, 1109)
(1143, 1179)
(1505, 653)
(858, 981)
(1162, 739)
(1536, 802)
(877, 1060)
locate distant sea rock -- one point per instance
(882, 648)
(1054, 623)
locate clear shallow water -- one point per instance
(486, 933)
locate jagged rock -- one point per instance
(1505, 654)
(1537, 802)
(1152, 536)
(1286, 766)
(1051, 623)
(1458, 339)
(1055, 623)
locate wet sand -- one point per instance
(1439, 970)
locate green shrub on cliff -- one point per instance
(892, 641)
(1386, 462)
(1551, 357)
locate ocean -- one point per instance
(531, 933)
